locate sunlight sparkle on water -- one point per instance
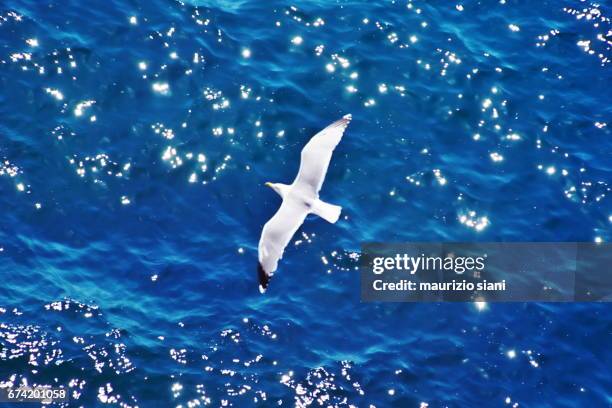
(81, 106)
(472, 220)
(55, 93)
(496, 157)
(161, 88)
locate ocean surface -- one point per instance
(135, 141)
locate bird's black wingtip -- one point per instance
(263, 278)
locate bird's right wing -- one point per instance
(275, 236)
(317, 153)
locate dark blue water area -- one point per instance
(135, 141)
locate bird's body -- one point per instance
(300, 199)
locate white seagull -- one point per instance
(300, 198)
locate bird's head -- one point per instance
(278, 187)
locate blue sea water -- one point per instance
(135, 138)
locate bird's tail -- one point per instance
(328, 212)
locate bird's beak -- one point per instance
(268, 184)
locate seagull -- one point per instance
(300, 198)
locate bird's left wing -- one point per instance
(317, 153)
(275, 236)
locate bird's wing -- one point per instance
(275, 236)
(317, 153)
